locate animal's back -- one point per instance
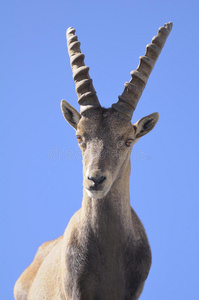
(93, 271)
(24, 283)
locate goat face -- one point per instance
(106, 138)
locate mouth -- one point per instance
(95, 188)
(96, 192)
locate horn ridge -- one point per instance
(87, 97)
(134, 88)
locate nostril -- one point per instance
(101, 179)
(97, 180)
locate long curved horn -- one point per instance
(86, 93)
(133, 89)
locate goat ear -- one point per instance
(146, 124)
(70, 114)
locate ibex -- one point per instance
(104, 253)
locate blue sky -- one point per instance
(41, 170)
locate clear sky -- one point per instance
(41, 170)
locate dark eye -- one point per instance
(129, 142)
(79, 138)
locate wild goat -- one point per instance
(104, 252)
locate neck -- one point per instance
(114, 210)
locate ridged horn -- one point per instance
(133, 89)
(86, 93)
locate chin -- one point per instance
(97, 194)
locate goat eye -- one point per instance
(129, 142)
(79, 138)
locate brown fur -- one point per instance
(104, 252)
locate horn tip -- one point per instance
(168, 26)
(70, 30)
